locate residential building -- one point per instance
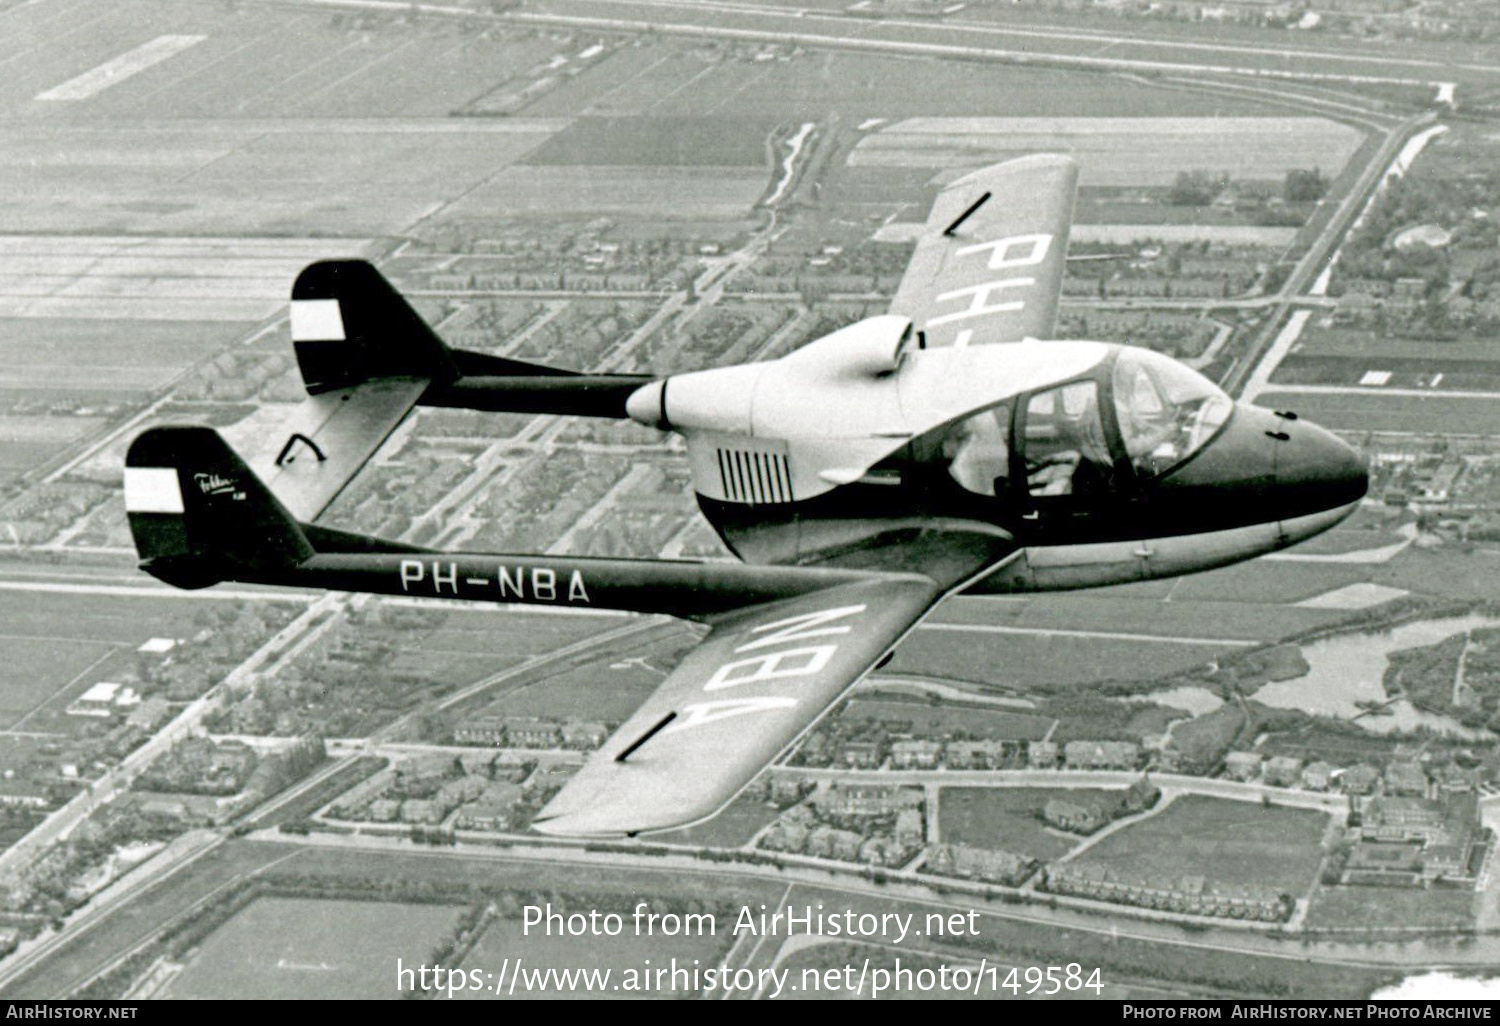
(1079, 815)
(866, 800)
(1001, 867)
(532, 732)
(1317, 776)
(1405, 779)
(1042, 754)
(1243, 765)
(1105, 755)
(1283, 771)
(584, 736)
(916, 754)
(1360, 780)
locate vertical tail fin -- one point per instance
(200, 516)
(349, 326)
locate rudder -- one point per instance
(199, 515)
(350, 325)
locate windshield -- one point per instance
(1166, 411)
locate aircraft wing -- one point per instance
(327, 439)
(989, 263)
(761, 678)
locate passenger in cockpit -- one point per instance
(1066, 452)
(978, 451)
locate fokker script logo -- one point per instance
(216, 484)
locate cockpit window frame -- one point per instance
(1101, 377)
(1133, 473)
(1017, 495)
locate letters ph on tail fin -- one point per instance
(200, 516)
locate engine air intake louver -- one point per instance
(750, 476)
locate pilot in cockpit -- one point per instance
(1066, 453)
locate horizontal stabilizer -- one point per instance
(328, 438)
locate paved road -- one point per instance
(1035, 45)
(1254, 366)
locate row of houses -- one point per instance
(1006, 868)
(482, 805)
(866, 800)
(801, 832)
(924, 753)
(1403, 777)
(1187, 287)
(530, 732)
(1365, 300)
(1191, 895)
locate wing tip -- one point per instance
(1030, 162)
(587, 826)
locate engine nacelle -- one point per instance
(768, 432)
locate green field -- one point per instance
(58, 644)
(28, 441)
(1004, 818)
(607, 688)
(1354, 539)
(928, 719)
(733, 827)
(1365, 411)
(37, 672)
(658, 78)
(305, 948)
(1018, 661)
(472, 643)
(696, 192)
(504, 944)
(39, 355)
(658, 141)
(1236, 843)
(528, 871)
(1196, 962)
(157, 906)
(1380, 908)
(488, 630)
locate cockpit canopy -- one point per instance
(1166, 411)
(1138, 413)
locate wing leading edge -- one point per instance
(760, 679)
(989, 263)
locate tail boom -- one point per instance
(679, 588)
(200, 516)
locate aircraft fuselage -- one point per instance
(1102, 463)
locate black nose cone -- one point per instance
(1263, 467)
(1325, 469)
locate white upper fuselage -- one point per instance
(822, 416)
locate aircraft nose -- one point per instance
(1266, 466)
(1315, 467)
